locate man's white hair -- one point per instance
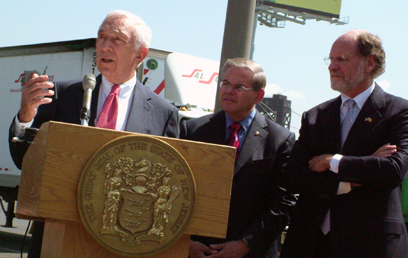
(141, 33)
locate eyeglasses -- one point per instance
(236, 87)
(339, 59)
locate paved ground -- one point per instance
(11, 239)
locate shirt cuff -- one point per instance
(334, 163)
(19, 127)
(344, 187)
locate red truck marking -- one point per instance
(159, 88)
(23, 82)
(191, 75)
(21, 77)
(209, 81)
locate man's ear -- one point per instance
(141, 54)
(371, 63)
(259, 97)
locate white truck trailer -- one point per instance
(189, 82)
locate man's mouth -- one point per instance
(106, 60)
(228, 100)
(336, 76)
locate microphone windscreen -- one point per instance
(89, 81)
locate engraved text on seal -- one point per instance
(136, 195)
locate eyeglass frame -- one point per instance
(341, 59)
(235, 87)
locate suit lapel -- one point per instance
(367, 119)
(255, 139)
(331, 127)
(217, 128)
(140, 109)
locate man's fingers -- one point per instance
(385, 151)
(35, 93)
(320, 163)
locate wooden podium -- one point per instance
(52, 169)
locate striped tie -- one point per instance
(233, 138)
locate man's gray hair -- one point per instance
(141, 33)
(370, 44)
(259, 79)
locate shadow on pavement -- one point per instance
(12, 243)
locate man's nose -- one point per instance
(229, 89)
(333, 66)
(106, 44)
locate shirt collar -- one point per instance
(125, 88)
(361, 98)
(245, 123)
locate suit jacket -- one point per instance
(259, 206)
(366, 222)
(149, 113)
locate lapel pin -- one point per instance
(368, 119)
(257, 133)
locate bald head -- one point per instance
(356, 59)
(352, 35)
(366, 44)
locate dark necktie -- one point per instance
(109, 114)
(233, 138)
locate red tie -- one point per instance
(233, 139)
(109, 114)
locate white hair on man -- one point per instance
(141, 32)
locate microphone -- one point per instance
(88, 83)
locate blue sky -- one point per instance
(292, 57)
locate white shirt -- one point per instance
(345, 187)
(125, 102)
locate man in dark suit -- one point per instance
(259, 206)
(350, 185)
(122, 44)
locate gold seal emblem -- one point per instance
(136, 195)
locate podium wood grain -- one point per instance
(53, 165)
(57, 243)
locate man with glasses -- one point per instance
(349, 162)
(259, 205)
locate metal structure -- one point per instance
(267, 111)
(243, 16)
(277, 109)
(238, 34)
(276, 17)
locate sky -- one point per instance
(292, 57)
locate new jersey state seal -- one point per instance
(136, 195)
